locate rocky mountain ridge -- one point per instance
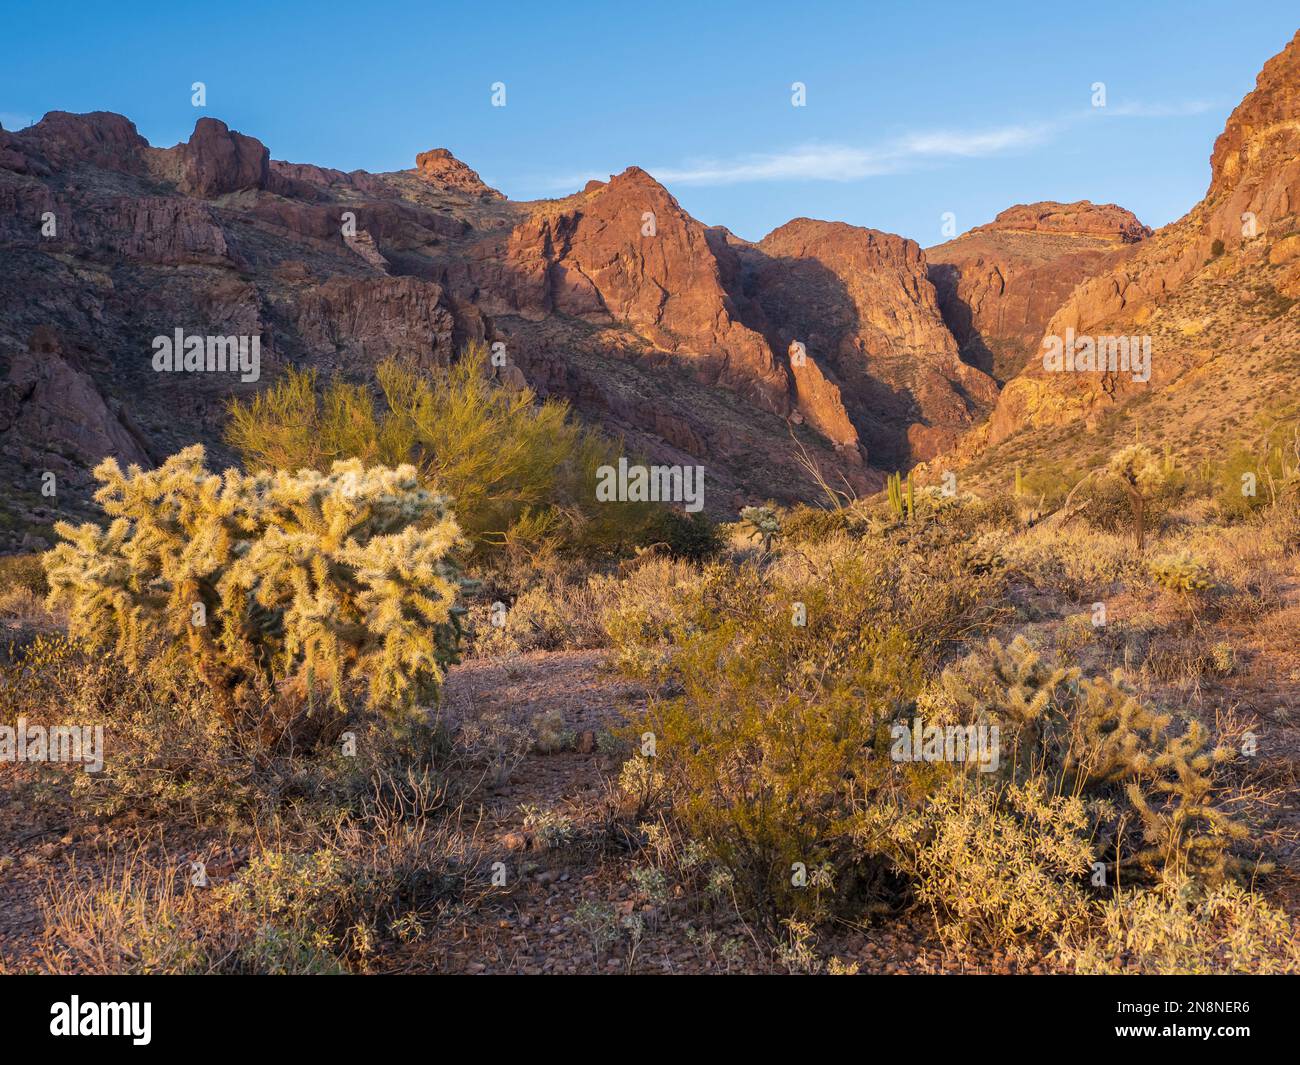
(850, 345)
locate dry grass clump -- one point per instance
(23, 588)
(325, 904)
(1073, 562)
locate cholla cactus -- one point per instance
(1183, 572)
(764, 524)
(273, 587)
(1092, 737)
(1141, 473)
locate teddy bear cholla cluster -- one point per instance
(276, 586)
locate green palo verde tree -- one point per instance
(519, 471)
(279, 591)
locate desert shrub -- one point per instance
(171, 757)
(998, 865)
(1250, 480)
(1151, 787)
(649, 609)
(560, 610)
(785, 675)
(690, 537)
(814, 525)
(1183, 573)
(520, 473)
(1180, 927)
(923, 577)
(23, 572)
(276, 590)
(1071, 562)
(1045, 486)
(42, 678)
(975, 515)
(768, 746)
(23, 587)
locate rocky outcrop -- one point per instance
(443, 169)
(356, 324)
(999, 284)
(216, 160)
(163, 230)
(1104, 221)
(56, 416)
(61, 140)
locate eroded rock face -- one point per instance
(168, 231)
(626, 251)
(52, 411)
(861, 303)
(361, 322)
(1202, 285)
(999, 284)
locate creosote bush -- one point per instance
(281, 592)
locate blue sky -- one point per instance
(913, 109)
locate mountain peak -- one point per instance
(441, 168)
(1081, 218)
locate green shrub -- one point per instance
(277, 591)
(690, 537)
(765, 754)
(789, 677)
(1248, 481)
(520, 473)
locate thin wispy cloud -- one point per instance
(1137, 109)
(841, 162)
